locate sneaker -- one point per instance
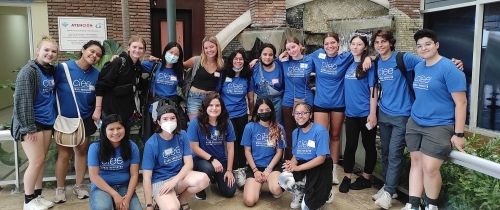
(431, 207)
(409, 207)
(330, 197)
(296, 199)
(79, 192)
(34, 204)
(384, 201)
(335, 180)
(202, 195)
(379, 193)
(60, 195)
(344, 186)
(286, 181)
(240, 176)
(361, 183)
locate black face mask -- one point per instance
(264, 116)
(267, 65)
(305, 124)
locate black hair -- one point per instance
(221, 119)
(267, 45)
(360, 73)
(96, 43)
(106, 150)
(179, 66)
(245, 73)
(425, 33)
(259, 102)
(168, 109)
(385, 34)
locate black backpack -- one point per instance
(409, 76)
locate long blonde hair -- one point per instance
(204, 59)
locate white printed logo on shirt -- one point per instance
(422, 82)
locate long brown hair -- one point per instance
(221, 119)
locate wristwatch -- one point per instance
(461, 135)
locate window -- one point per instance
(488, 116)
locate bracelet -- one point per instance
(254, 169)
(211, 159)
(149, 205)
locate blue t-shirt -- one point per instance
(234, 92)
(84, 86)
(114, 171)
(296, 80)
(433, 87)
(165, 81)
(395, 100)
(273, 79)
(357, 92)
(44, 105)
(330, 73)
(165, 157)
(213, 143)
(256, 137)
(312, 144)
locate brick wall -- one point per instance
(409, 7)
(267, 13)
(407, 21)
(219, 13)
(110, 9)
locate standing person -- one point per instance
(208, 134)
(237, 94)
(33, 117)
(437, 119)
(361, 109)
(267, 78)
(113, 168)
(164, 82)
(310, 162)
(167, 165)
(297, 68)
(84, 77)
(264, 144)
(329, 106)
(207, 73)
(117, 83)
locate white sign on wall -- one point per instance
(74, 32)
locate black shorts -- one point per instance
(90, 126)
(321, 109)
(249, 172)
(42, 127)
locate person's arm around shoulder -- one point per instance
(189, 63)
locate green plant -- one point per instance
(467, 189)
(111, 47)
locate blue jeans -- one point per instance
(101, 200)
(392, 137)
(194, 102)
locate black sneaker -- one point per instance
(344, 186)
(202, 195)
(361, 183)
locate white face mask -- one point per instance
(169, 126)
(237, 69)
(171, 58)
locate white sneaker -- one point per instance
(330, 197)
(240, 176)
(379, 193)
(286, 181)
(335, 180)
(296, 199)
(384, 201)
(45, 202)
(34, 205)
(60, 195)
(408, 207)
(79, 192)
(431, 207)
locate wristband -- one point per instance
(461, 135)
(211, 159)
(149, 205)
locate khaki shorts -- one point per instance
(434, 141)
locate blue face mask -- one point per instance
(170, 58)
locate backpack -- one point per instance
(409, 76)
(189, 77)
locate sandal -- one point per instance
(185, 207)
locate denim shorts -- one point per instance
(194, 102)
(434, 141)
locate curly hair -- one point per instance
(246, 73)
(222, 119)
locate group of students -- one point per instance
(290, 140)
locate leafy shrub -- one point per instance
(467, 189)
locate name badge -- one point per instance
(311, 143)
(216, 74)
(173, 78)
(91, 87)
(168, 152)
(303, 65)
(322, 55)
(229, 79)
(275, 81)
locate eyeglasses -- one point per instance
(301, 113)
